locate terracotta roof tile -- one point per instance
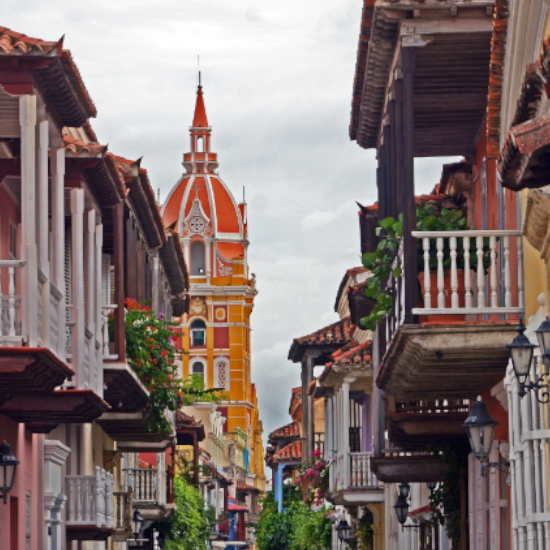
(351, 354)
(76, 80)
(16, 43)
(338, 333)
(76, 147)
(286, 431)
(236, 508)
(242, 486)
(289, 453)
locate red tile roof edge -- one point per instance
(284, 432)
(496, 77)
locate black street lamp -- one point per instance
(521, 353)
(404, 490)
(431, 486)
(8, 467)
(137, 522)
(481, 426)
(161, 540)
(343, 531)
(401, 509)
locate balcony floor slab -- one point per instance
(456, 360)
(41, 413)
(357, 496)
(410, 469)
(124, 391)
(26, 370)
(88, 532)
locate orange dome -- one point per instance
(201, 206)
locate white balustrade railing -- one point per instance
(108, 353)
(466, 290)
(361, 474)
(10, 303)
(90, 499)
(144, 484)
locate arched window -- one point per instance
(200, 145)
(198, 333)
(198, 369)
(197, 258)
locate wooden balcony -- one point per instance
(412, 425)
(411, 467)
(456, 344)
(129, 430)
(150, 492)
(90, 506)
(123, 514)
(354, 480)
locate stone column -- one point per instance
(156, 289)
(27, 120)
(57, 161)
(345, 430)
(77, 317)
(98, 312)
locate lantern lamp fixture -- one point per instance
(431, 486)
(8, 467)
(521, 353)
(343, 531)
(481, 426)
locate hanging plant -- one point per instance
(150, 352)
(380, 263)
(314, 479)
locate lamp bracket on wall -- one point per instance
(493, 467)
(542, 396)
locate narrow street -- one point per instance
(275, 276)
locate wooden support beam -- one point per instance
(409, 207)
(118, 241)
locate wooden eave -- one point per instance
(174, 265)
(451, 77)
(44, 412)
(124, 391)
(452, 360)
(25, 370)
(409, 469)
(88, 532)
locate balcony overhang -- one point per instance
(152, 511)
(410, 469)
(455, 360)
(415, 431)
(124, 391)
(130, 432)
(88, 532)
(28, 370)
(43, 412)
(357, 496)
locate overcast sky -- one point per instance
(278, 80)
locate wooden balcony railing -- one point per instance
(353, 470)
(319, 443)
(10, 304)
(90, 500)
(434, 406)
(148, 485)
(123, 510)
(474, 272)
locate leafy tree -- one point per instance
(189, 527)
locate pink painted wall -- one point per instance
(28, 449)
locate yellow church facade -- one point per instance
(216, 332)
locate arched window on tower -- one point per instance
(200, 145)
(197, 258)
(198, 369)
(198, 333)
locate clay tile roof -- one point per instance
(16, 43)
(335, 334)
(496, 77)
(286, 431)
(349, 273)
(351, 354)
(512, 161)
(290, 453)
(76, 147)
(184, 421)
(242, 486)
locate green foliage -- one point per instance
(364, 532)
(296, 528)
(189, 527)
(381, 265)
(150, 351)
(445, 499)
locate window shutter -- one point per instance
(105, 279)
